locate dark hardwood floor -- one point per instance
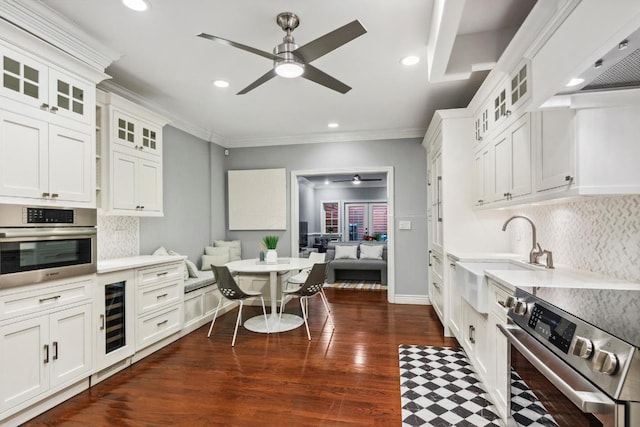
(349, 376)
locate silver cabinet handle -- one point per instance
(44, 106)
(55, 350)
(502, 303)
(45, 194)
(102, 322)
(46, 353)
(54, 298)
(53, 109)
(164, 273)
(162, 296)
(436, 285)
(162, 323)
(55, 195)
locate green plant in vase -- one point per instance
(271, 242)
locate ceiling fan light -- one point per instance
(289, 69)
(137, 5)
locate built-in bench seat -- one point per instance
(204, 279)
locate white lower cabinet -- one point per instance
(159, 301)
(44, 353)
(498, 375)
(474, 339)
(455, 298)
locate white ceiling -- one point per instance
(157, 56)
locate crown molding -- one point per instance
(41, 21)
(174, 120)
(315, 138)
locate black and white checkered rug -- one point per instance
(439, 388)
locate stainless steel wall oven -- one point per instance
(580, 369)
(45, 243)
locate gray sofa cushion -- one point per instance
(204, 279)
(356, 264)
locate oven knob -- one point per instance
(520, 308)
(583, 348)
(605, 362)
(510, 302)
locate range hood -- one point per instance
(617, 69)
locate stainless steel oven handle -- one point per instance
(48, 232)
(592, 400)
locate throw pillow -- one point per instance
(161, 251)
(185, 273)
(210, 250)
(235, 248)
(191, 268)
(216, 260)
(371, 251)
(346, 252)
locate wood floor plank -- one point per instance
(343, 377)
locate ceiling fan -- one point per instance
(291, 60)
(357, 179)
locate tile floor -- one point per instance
(439, 388)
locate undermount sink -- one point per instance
(472, 282)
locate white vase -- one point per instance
(272, 256)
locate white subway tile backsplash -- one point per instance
(600, 234)
(118, 236)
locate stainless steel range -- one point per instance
(586, 343)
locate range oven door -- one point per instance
(33, 255)
(545, 388)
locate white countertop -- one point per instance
(484, 256)
(559, 278)
(117, 264)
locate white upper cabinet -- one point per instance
(49, 89)
(135, 133)
(47, 127)
(511, 95)
(131, 158)
(43, 161)
(512, 160)
(556, 150)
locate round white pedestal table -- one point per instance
(288, 321)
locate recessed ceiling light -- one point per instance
(410, 60)
(333, 125)
(326, 182)
(221, 83)
(137, 5)
(623, 45)
(574, 82)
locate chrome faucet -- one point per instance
(536, 249)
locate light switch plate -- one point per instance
(404, 225)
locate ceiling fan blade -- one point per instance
(370, 179)
(238, 45)
(320, 77)
(264, 78)
(330, 41)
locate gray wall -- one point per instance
(407, 157)
(307, 203)
(193, 201)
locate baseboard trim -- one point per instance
(412, 299)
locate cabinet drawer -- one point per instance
(153, 297)
(153, 328)
(43, 297)
(436, 293)
(436, 264)
(162, 273)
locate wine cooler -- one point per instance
(113, 319)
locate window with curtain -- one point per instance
(366, 219)
(331, 217)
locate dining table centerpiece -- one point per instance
(271, 242)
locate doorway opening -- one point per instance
(334, 223)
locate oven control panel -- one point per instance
(47, 216)
(554, 328)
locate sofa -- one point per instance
(357, 261)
